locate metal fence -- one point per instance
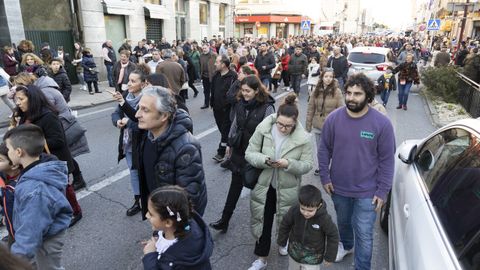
(469, 95)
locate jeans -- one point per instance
(81, 81)
(355, 221)
(206, 90)
(110, 74)
(341, 83)
(385, 95)
(403, 91)
(262, 246)
(295, 82)
(266, 82)
(134, 181)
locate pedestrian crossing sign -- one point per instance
(433, 24)
(305, 25)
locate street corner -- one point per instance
(82, 99)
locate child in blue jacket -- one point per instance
(42, 212)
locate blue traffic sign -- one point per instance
(433, 24)
(305, 25)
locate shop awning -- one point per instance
(118, 7)
(157, 12)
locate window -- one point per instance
(180, 6)
(222, 12)
(366, 58)
(203, 7)
(449, 164)
(155, 2)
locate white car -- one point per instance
(372, 61)
(433, 210)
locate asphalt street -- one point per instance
(107, 239)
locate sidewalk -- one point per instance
(79, 99)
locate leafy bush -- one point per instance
(442, 82)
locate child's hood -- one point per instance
(196, 248)
(50, 171)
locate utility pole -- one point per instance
(464, 21)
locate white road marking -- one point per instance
(95, 112)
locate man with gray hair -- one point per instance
(168, 152)
(172, 70)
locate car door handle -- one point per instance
(406, 210)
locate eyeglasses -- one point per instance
(280, 125)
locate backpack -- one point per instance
(7, 198)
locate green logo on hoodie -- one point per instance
(367, 135)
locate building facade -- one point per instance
(268, 18)
(92, 22)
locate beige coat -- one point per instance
(315, 115)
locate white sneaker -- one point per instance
(83, 88)
(341, 253)
(258, 264)
(283, 250)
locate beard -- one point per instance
(355, 106)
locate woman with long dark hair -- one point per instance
(254, 104)
(34, 108)
(325, 98)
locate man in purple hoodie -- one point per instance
(359, 143)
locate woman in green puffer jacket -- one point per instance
(283, 149)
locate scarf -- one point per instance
(127, 133)
(122, 72)
(249, 105)
(133, 100)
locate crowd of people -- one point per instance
(266, 149)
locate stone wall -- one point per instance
(53, 15)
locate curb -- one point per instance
(433, 112)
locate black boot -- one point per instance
(78, 182)
(220, 225)
(135, 207)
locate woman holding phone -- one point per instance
(283, 149)
(124, 119)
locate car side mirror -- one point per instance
(426, 160)
(408, 157)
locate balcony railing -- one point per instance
(469, 95)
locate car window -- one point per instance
(449, 164)
(366, 58)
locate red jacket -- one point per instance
(285, 59)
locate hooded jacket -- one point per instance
(41, 208)
(191, 252)
(297, 149)
(177, 160)
(310, 240)
(64, 85)
(50, 89)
